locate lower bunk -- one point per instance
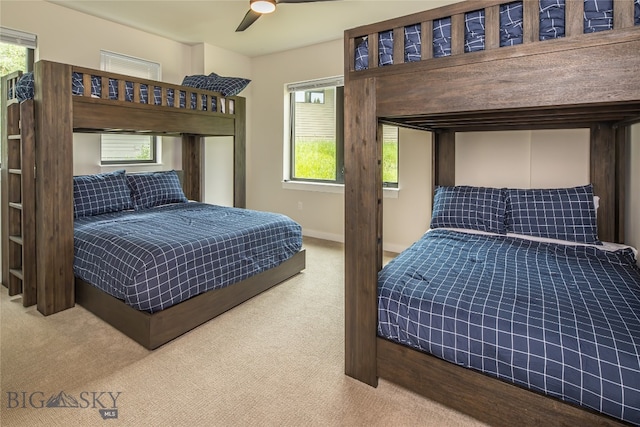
(152, 330)
(155, 265)
(511, 328)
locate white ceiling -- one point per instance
(214, 21)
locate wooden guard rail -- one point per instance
(623, 17)
(10, 91)
(224, 105)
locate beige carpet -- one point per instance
(277, 359)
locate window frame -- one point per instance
(310, 87)
(106, 57)
(26, 40)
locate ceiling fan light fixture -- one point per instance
(263, 6)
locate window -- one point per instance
(127, 149)
(316, 134)
(390, 156)
(17, 50)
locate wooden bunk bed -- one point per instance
(578, 81)
(37, 188)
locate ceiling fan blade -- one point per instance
(248, 19)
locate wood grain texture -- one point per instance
(54, 187)
(492, 27)
(153, 330)
(444, 158)
(240, 155)
(363, 225)
(486, 399)
(623, 140)
(603, 177)
(574, 18)
(530, 21)
(28, 191)
(596, 76)
(623, 14)
(192, 166)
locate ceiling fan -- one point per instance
(260, 7)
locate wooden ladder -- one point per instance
(18, 195)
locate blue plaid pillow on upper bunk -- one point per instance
(560, 213)
(473, 208)
(228, 86)
(24, 87)
(152, 189)
(101, 193)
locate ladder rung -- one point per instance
(16, 239)
(16, 171)
(13, 137)
(16, 272)
(15, 205)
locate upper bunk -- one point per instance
(101, 102)
(496, 64)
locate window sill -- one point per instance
(125, 165)
(388, 193)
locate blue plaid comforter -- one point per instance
(561, 320)
(155, 258)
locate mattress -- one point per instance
(563, 320)
(598, 16)
(25, 90)
(155, 258)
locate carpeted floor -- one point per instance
(277, 359)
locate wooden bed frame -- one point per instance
(49, 122)
(579, 81)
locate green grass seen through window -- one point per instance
(317, 160)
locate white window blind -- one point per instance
(123, 64)
(315, 84)
(21, 38)
(116, 148)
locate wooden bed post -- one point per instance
(192, 166)
(363, 229)
(239, 155)
(623, 137)
(444, 158)
(603, 177)
(54, 187)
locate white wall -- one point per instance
(71, 37)
(515, 159)
(523, 159)
(322, 213)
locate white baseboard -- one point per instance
(390, 247)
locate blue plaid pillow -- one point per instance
(24, 87)
(101, 193)
(152, 189)
(560, 213)
(198, 81)
(474, 208)
(228, 86)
